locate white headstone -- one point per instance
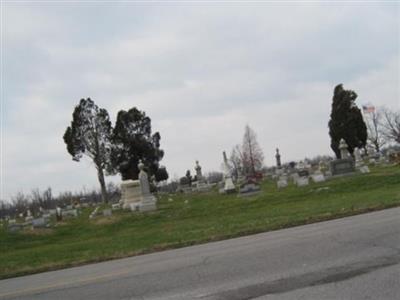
(148, 201)
(107, 212)
(318, 177)
(282, 183)
(229, 187)
(302, 181)
(344, 153)
(357, 157)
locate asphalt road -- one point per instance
(352, 258)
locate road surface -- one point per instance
(351, 258)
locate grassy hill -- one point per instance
(188, 219)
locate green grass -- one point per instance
(206, 217)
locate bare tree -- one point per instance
(20, 201)
(391, 125)
(252, 154)
(236, 161)
(375, 128)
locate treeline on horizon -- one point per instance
(45, 199)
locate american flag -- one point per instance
(368, 108)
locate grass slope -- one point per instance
(205, 217)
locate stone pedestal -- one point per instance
(131, 194)
(229, 187)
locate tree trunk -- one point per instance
(100, 175)
(377, 148)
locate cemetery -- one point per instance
(146, 213)
(143, 221)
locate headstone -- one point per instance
(249, 188)
(279, 171)
(344, 152)
(322, 166)
(148, 201)
(359, 162)
(357, 156)
(115, 206)
(58, 213)
(14, 227)
(70, 213)
(282, 182)
(202, 186)
(107, 212)
(185, 188)
(318, 177)
(364, 169)
(342, 166)
(294, 177)
(300, 166)
(28, 218)
(229, 187)
(371, 151)
(302, 181)
(303, 173)
(39, 223)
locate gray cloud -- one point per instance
(200, 71)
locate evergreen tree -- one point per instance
(161, 174)
(346, 121)
(133, 141)
(90, 135)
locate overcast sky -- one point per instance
(201, 71)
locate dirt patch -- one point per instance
(105, 220)
(37, 231)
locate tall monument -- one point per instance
(229, 187)
(278, 158)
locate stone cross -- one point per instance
(143, 179)
(344, 152)
(278, 158)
